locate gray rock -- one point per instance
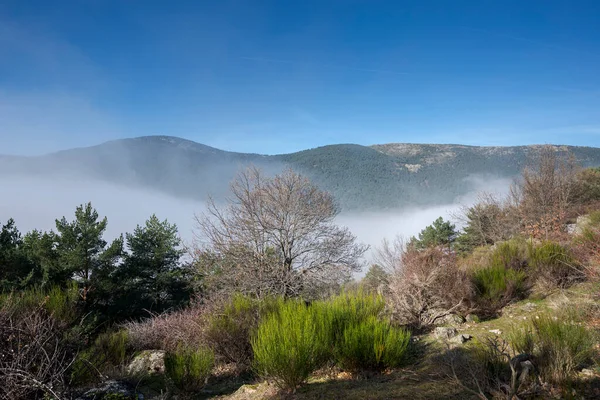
(496, 331)
(472, 318)
(110, 390)
(460, 339)
(445, 332)
(148, 362)
(454, 319)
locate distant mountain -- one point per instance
(376, 177)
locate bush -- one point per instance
(428, 287)
(109, 352)
(189, 369)
(496, 286)
(230, 327)
(511, 254)
(559, 345)
(37, 346)
(290, 344)
(372, 344)
(169, 331)
(554, 265)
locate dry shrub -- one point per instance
(586, 249)
(428, 286)
(168, 331)
(37, 348)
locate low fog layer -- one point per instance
(35, 204)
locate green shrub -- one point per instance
(189, 369)
(554, 265)
(496, 286)
(372, 344)
(347, 309)
(594, 219)
(109, 352)
(511, 254)
(230, 328)
(559, 345)
(290, 344)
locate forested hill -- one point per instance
(361, 177)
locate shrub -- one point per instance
(496, 286)
(511, 254)
(36, 346)
(290, 344)
(189, 369)
(428, 287)
(554, 265)
(560, 346)
(168, 331)
(372, 344)
(346, 309)
(229, 329)
(109, 352)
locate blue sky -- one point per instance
(281, 76)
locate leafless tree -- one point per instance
(275, 236)
(546, 191)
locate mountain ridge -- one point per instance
(361, 177)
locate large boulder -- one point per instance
(148, 362)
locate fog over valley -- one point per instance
(35, 203)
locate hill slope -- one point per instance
(361, 177)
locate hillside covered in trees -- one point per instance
(361, 178)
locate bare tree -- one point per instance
(546, 191)
(275, 236)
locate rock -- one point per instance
(147, 362)
(445, 332)
(112, 390)
(472, 318)
(460, 339)
(529, 307)
(454, 319)
(496, 331)
(588, 372)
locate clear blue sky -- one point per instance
(280, 76)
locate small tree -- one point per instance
(276, 236)
(437, 234)
(81, 247)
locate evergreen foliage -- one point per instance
(440, 233)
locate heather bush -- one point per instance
(554, 265)
(106, 356)
(496, 286)
(290, 344)
(560, 346)
(231, 326)
(169, 330)
(371, 344)
(511, 254)
(189, 368)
